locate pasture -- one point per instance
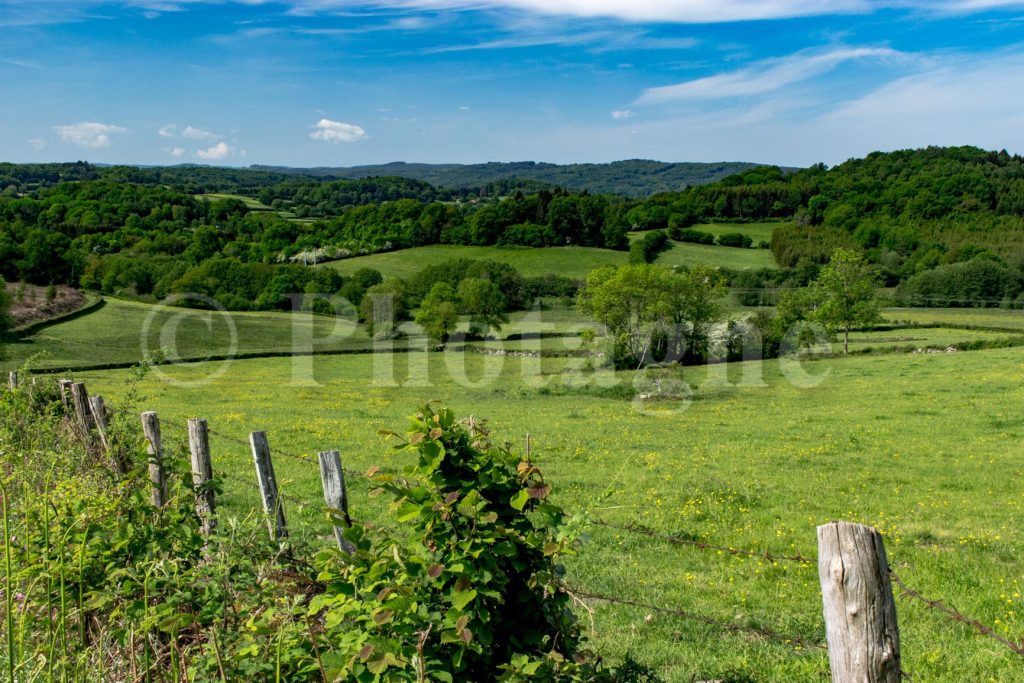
(762, 454)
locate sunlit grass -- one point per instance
(924, 447)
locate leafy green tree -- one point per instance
(484, 303)
(693, 303)
(439, 313)
(383, 307)
(845, 294)
(630, 301)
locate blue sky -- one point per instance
(345, 82)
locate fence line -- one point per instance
(956, 615)
(843, 575)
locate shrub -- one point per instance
(979, 282)
(691, 235)
(735, 239)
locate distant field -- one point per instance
(756, 461)
(114, 334)
(574, 262)
(689, 254)
(982, 317)
(756, 231)
(251, 203)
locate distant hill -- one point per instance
(633, 178)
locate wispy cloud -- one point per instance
(337, 131)
(764, 77)
(90, 135)
(622, 114)
(168, 131)
(176, 151)
(191, 133)
(37, 144)
(215, 153)
(681, 11)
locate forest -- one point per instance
(945, 226)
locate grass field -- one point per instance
(981, 317)
(574, 262)
(901, 442)
(251, 203)
(118, 333)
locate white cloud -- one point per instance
(176, 151)
(336, 131)
(621, 114)
(764, 77)
(168, 131)
(217, 152)
(36, 143)
(680, 11)
(90, 135)
(198, 134)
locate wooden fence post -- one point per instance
(80, 398)
(202, 472)
(273, 506)
(151, 428)
(65, 391)
(860, 613)
(332, 476)
(98, 410)
(12, 379)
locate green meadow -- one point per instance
(126, 331)
(925, 447)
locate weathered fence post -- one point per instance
(80, 398)
(333, 478)
(65, 391)
(99, 415)
(151, 429)
(273, 506)
(860, 613)
(12, 379)
(202, 472)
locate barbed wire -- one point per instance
(953, 614)
(702, 545)
(692, 616)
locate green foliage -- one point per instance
(735, 239)
(845, 294)
(691, 235)
(485, 304)
(474, 593)
(645, 250)
(979, 282)
(439, 313)
(383, 307)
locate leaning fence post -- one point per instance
(80, 398)
(151, 429)
(12, 379)
(98, 410)
(333, 478)
(860, 613)
(202, 472)
(273, 506)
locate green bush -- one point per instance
(691, 235)
(735, 239)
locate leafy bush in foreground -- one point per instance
(98, 584)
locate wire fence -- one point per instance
(582, 596)
(176, 438)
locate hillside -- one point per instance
(632, 178)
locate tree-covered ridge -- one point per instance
(632, 178)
